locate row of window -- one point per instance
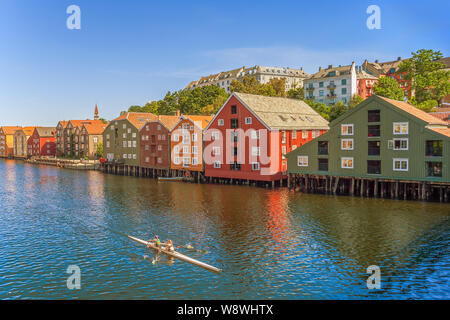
(332, 84)
(395, 144)
(374, 130)
(185, 138)
(186, 161)
(399, 164)
(236, 166)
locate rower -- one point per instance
(156, 241)
(169, 246)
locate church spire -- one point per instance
(96, 117)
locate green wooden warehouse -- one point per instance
(121, 143)
(380, 148)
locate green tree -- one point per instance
(298, 93)
(428, 80)
(274, 88)
(279, 86)
(99, 151)
(355, 100)
(388, 88)
(193, 101)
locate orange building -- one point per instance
(21, 137)
(7, 141)
(186, 145)
(365, 83)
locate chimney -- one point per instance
(330, 66)
(320, 68)
(399, 58)
(376, 61)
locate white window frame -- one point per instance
(400, 139)
(216, 151)
(220, 122)
(343, 159)
(304, 134)
(400, 124)
(175, 137)
(248, 120)
(348, 125)
(394, 160)
(217, 164)
(256, 166)
(194, 137)
(194, 149)
(294, 134)
(302, 161)
(194, 161)
(347, 140)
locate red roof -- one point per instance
(138, 119)
(443, 131)
(10, 130)
(414, 111)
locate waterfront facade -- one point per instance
(249, 136)
(42, 142)
(155, 144)
(21, 137)
(121, 138)
(90, 138)
(187, 145)
(380, 140)
(263, 74)
(332, 84)
(7, 141)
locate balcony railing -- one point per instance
(331, 86)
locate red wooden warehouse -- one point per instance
(42, 142)
(247, 139)
(155, 145)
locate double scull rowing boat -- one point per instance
(176, 255)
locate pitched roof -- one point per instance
(445, 61)
(138, 119)
(46, 131)
(416, 112)
(283, 113)
(28, 130)
(64, 123)
(96, 128)
(442, 113)
(361, 74)
(339, 71)
(80, 123)
(168, 121)
(200, 121)
(10, 130)
(443, 131)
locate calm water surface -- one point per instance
(270, 244)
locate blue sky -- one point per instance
(131, 52)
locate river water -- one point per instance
(271, 244)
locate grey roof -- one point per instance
(283, 113)
(46, 131)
